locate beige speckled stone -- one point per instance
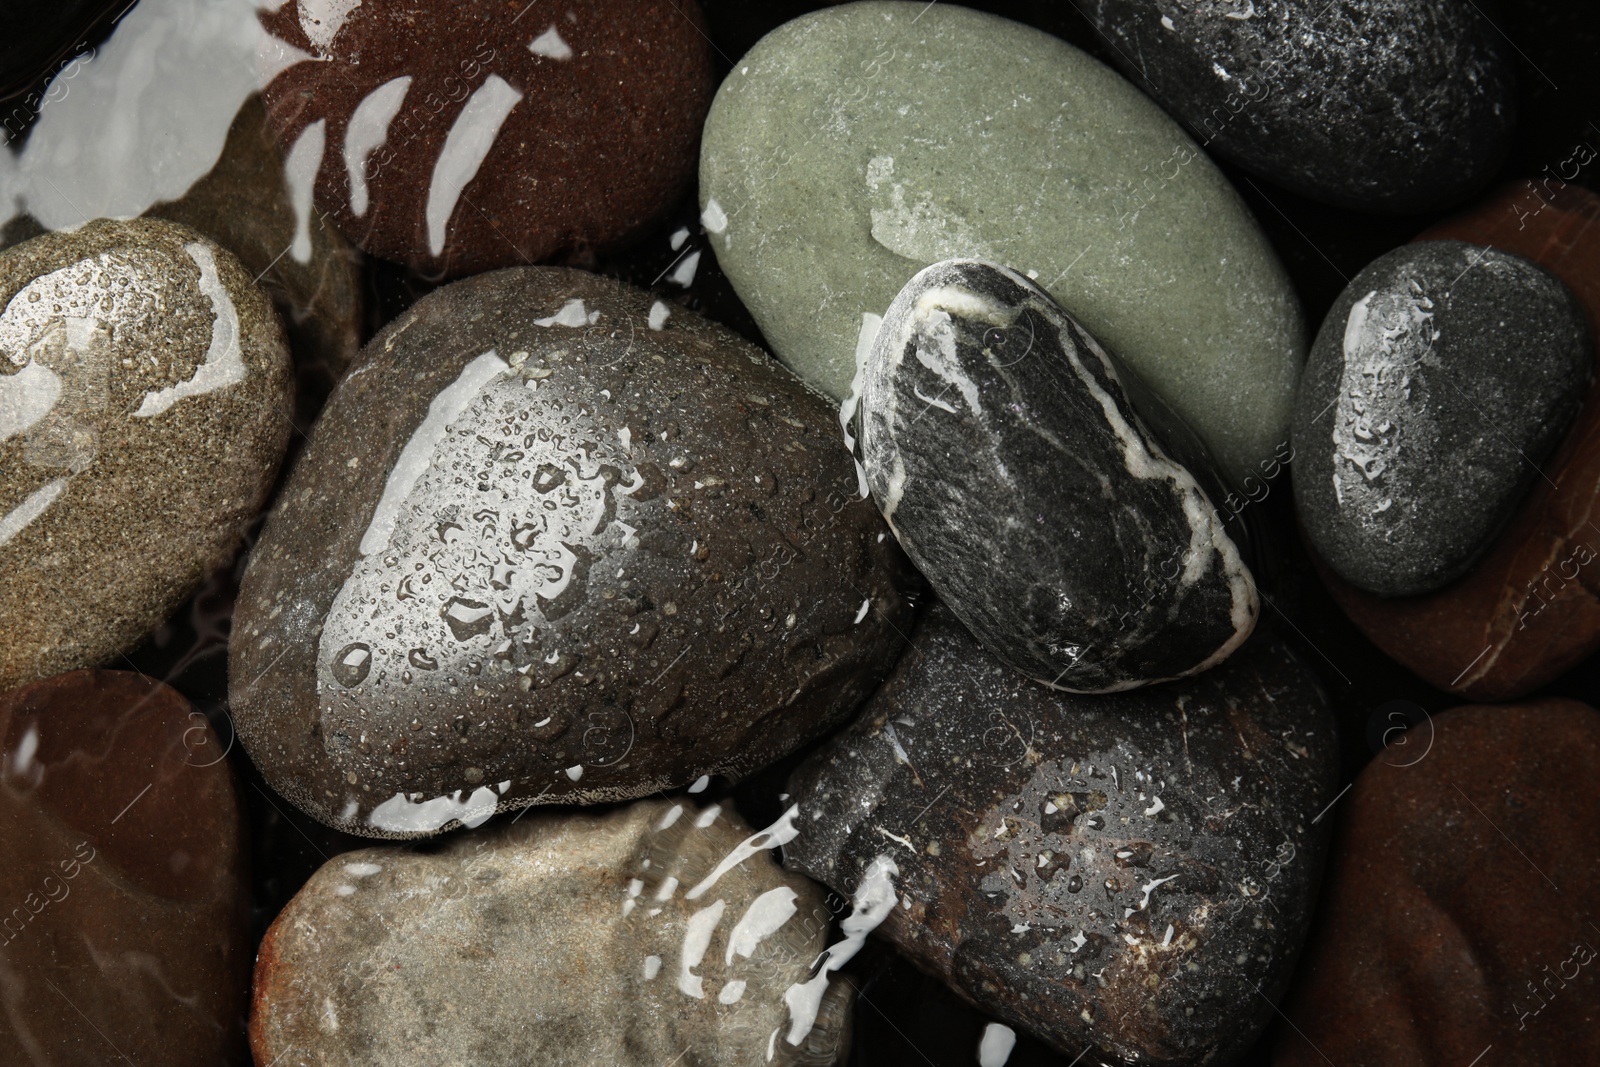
(313, 277)
(561, 940)
(244, 203)
(144, 399)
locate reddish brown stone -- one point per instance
(591, 111)
(1463, 912)
(1530, 609)
(124, 935)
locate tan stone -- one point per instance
(559, 939)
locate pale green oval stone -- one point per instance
(852, 147)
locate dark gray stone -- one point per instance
(1133, 872)
(1003, 445)
(145, 393)
(550, 544)
(1382, 105)
(1443, 376)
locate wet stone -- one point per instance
(457, 138)
(540, 551)
(854, 146)
(125, 936)
(144, 409)
(1132, 872)
(1529, 609)
(1443, 376)
(1461, 904)
(1001, 444)
(1386, 105)
(245, 203)
(619, 940)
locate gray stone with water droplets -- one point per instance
(538, 551)
(1443, 376)
(1131, 873)
(1004, 446)
(651, 935)
(1382, 105)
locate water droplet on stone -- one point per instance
(468, 618)
(351, 665)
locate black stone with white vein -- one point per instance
(1002, 444)
(1442, 377)
(1133, 873)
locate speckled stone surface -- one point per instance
(632, 939)
(1132, 873)
(1443, 376)
(245, 204)
(457, 138)
(852, 147)
(538, 550)
(1005, 448)
(1383, 105)
(1461, 917)
(1530, 608)
(125, 935)
(144, 410)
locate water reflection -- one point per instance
(147, 115)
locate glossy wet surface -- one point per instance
(902, 1016)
